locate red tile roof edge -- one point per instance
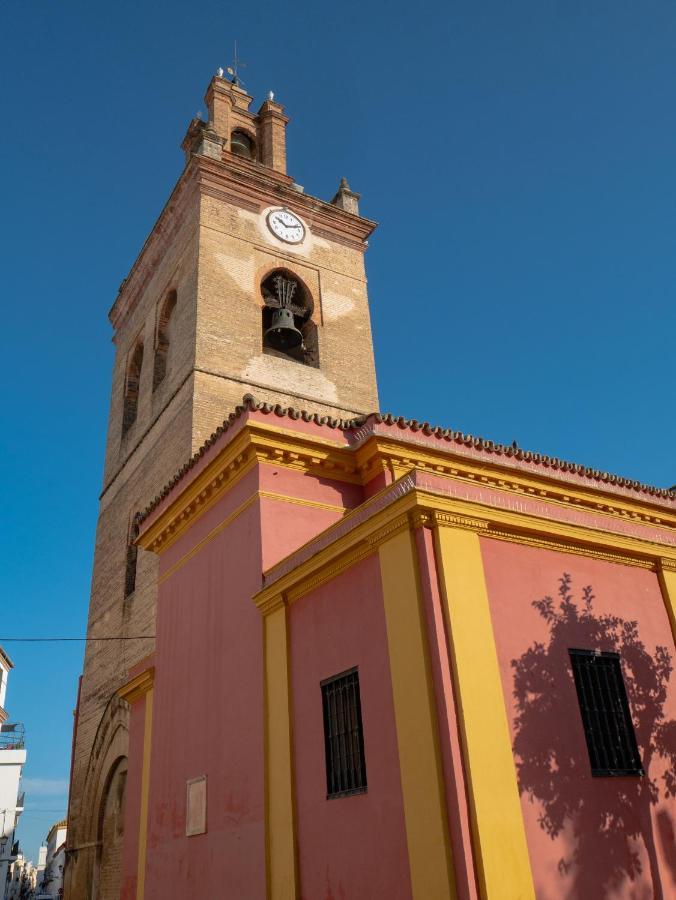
(250, 404)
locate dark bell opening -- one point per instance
(242, 145)
(282, 333)
(288, 329)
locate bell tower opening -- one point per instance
(288, 329)
(242, 144)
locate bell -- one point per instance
(282, 333)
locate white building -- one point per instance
(40, 868)
(12, 759)
(22, 877)
(52, 877)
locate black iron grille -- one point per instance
(343, 735)
(608, 728)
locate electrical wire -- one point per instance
(138, 637)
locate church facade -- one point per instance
(368, 657)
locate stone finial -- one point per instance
(346, 198)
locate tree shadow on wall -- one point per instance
(604, 819)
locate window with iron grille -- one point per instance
(343, 735)
(608, 728)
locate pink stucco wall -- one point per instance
(209, 714)
(349, 847)
(588, 837)
(208, 680)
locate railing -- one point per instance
(12, 736)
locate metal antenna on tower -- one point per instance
(233, 70)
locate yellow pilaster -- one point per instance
(666, 571)
(417, 735)
(280, 836)
(145, 793)
(497, 822)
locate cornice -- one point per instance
(256, 442)
(396, 457)
(138, 687)
(254, 187)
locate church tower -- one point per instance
(245, 285)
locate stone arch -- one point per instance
(109, 753)
(107, 879)
(132, 383)
(163, 338)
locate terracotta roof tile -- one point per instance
(249, 403)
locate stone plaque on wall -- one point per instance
(196, 809)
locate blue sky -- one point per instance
(520, 158)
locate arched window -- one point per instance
(163, 339)
(132, 558)
(131, 387)
(242, 144)
(288, 329)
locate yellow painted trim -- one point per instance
(497, 821)
(145, 795)
(425, 507)
(401, 456)
(228, 520)
(667, 576)
(422, 787)
(300, 501)
(138, 686)
(259, 442)
(279, 813)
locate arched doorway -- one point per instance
(108, 869)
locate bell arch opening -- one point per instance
(287, 327)
(242, 144)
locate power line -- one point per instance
(138, 637)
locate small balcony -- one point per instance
(12, 736)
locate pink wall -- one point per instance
(208, 681)
(588, 837)
(208, 712)
(350, 847)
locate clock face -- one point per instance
(286, 226)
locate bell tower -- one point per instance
(245, 284)
(281, 305)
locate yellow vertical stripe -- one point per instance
(145, 793)
(497, 822)
(281, 849)
(667, 578)
(417, 735)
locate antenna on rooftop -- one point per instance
(233, 70)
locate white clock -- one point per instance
(287, 227)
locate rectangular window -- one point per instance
(343, 735)
(606, 719)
